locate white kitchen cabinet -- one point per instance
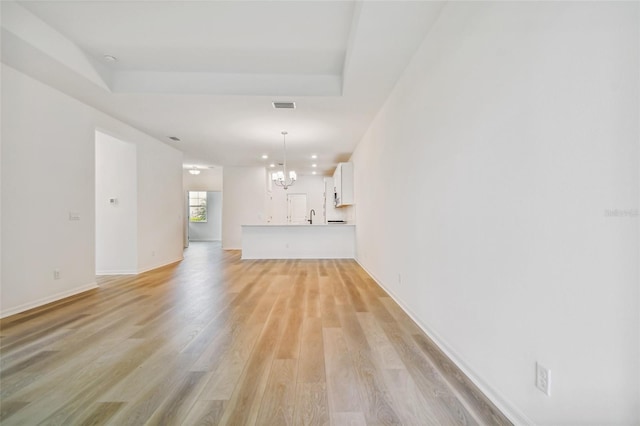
(343, 184)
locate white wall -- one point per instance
(311, 186)
(116, 223)
(244, 191)
(48, 171)
(1, 236)
(211, 230)
(207, 180)
(160, 204)
(481, 191)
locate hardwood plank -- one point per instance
(350, 290)
(9, 408)
(8, 358)
(148, 375)
(311, 404)
(278, 402)
(413, 408)
(171, 374)
(218, 344)
(341, 375)
(244, 403)
(230, 365)
(371, 296)
(339, 290)
(381, 347)
(297, 299)
(27, 364)
(322, 268)
(290, 343)
(328, 311)
(100, 413)
(179, 402)
(205, 413)
(311, 367)
(348, 419)
(16, 383)
(374, 394)
(312, 297)
(262, 309)
(12, 341)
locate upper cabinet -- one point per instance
(343, 184)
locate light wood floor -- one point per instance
(217, 340)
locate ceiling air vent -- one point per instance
(284, 105)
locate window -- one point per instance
(197, 206)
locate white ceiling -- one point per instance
(207, 71)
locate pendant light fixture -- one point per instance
(281, 178)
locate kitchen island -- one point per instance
(298, 241)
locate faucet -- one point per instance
(311, 214)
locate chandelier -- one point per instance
(281, 178)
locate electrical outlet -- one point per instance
(56, 274)
(543, 379)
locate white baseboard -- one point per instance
(117, 272)
(511, 412)
(151, 268)
(48, 299)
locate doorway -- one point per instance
(204, 215)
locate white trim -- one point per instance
(117, 272)
(151, 268)
(508, 409)
(48, 299)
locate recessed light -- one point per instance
(265, 156)
(314, 156)
(174, 138)
(314, 172)
(314, 165)
(110, 58)
(272, 165)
